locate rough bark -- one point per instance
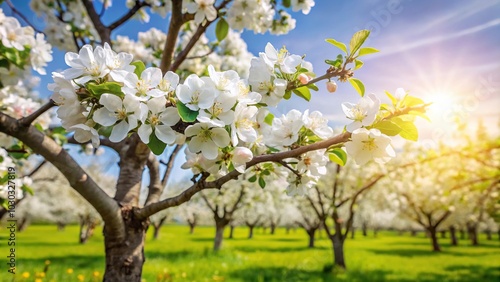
(472, 231)
(453, 236)
(125, 257)
(231, 232)
(338, 250)
(220, 225)
(433, 235)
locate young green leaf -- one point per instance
(262, 182)
(357, 64)
(387, 127)
(366, 51)
(221, 29)
(408, 129)
(288, 95)
(337, 44)
(156, 145)
(338, 156)
(110, 87)
(313, 87)
(393, 99)
(253, 178)
(357, 40)
(139, 67)
(269, 119)
(186, 114)
(303, 92)
(358, 85)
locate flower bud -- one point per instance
(303, 78)
(331, 86)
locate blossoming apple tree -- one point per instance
(137, 107)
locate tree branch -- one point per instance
(176, 22)
(103, 31)
(77, 177)
(138, 5)
(21, 15)
(26, 121)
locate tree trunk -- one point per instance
(311, 233)
(231, 231)
(453, 236)
(23, 224)
(125, 257)
(375, 232)
(353, 231)
(435, 244)
(472, 230)
(364, 229)
(191, 228)
(219, 236)
(250, 231)
(273, 228)
(288, 231)
(413, 233)
(156, 231)
(443, 234)
(61, 226)
(488, 234)
(338, 250)
(462, 234)
(498, 234)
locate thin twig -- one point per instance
(22, 16)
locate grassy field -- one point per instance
(179, 256)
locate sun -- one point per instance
(443, 103)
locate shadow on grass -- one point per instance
(416, 253)
(284, 249)
(475, 272)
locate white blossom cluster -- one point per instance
(232, 124)
(366, 144)
(60, 17)
(17, 38)
(231, 54)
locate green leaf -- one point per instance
(357, 40)
(338, 156)
(410, 101)
(139, 67)
(4, 63)
(393, 99)
(313, 87)
(27, 189)
(186, 114)
(419, 114)
(262, 182)
(288, 95)
(156, 145)
(366, 51)
(358, 85)
(269, 119)
(337, 44)
(357, 64)
(337, 63)
(221, 29)
(110, 87)
(286, 3)
(253, 178)
(303, 92)
(408, 129)
(387, 127)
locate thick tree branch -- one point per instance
(103, 31)
(155, 185)
(77, 177)
(176, 22)
(26, 121)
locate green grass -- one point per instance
(280, 257)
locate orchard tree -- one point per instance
(166, 92)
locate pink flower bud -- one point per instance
(304, 78)
(331, 86)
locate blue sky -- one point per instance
(442, 51)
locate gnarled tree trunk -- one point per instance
(125, 257)
(311, 232)
(433, 235)
(338, 250)
(220, 225)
